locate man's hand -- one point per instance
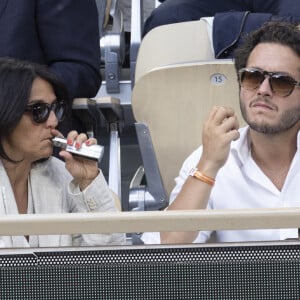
(219, 130)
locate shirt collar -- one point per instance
(241, 149)
(298, 140)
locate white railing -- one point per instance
(149, 221)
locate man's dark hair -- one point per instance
(16, 79)
(283, 33)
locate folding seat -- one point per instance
(109, 115)
(104, 113)
(175, 43)
(177, 83)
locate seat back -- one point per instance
(173, 101)
(174, 43)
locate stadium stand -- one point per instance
(168, 115)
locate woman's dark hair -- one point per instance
(283, 33)
(16, 79)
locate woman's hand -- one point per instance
(83, 170)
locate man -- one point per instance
(175, 11)
(62, 34)
(256, 166)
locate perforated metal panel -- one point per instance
(263, 271)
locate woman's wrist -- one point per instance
(83, 183)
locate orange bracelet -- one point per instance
(201, 176)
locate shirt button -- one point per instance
(92, 203)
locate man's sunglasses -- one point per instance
(280, 83)
(41, 110)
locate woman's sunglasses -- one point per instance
(280, 83)
(41, 110)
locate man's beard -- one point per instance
(288, 120)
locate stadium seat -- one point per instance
(103, 116)
(170, 105)
(175, 43)
(172, 96)
(117, 135)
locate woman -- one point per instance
(32, 103)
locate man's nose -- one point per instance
(265, 87)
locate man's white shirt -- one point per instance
(241, 184)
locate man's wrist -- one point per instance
(194, 172)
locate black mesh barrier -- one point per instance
(260, 271)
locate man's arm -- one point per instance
(69, 35)
(219, 130)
